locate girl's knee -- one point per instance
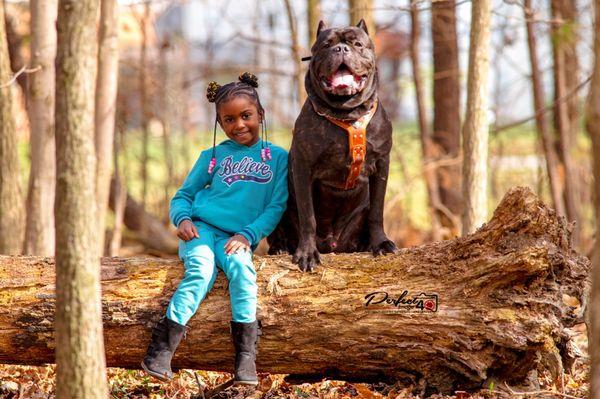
(241, 268)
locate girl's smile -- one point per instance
(240, 120)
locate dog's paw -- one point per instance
(277, 251)
(307, 258)
(384, 247)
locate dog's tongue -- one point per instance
(342, 79)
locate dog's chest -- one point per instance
(335, 161)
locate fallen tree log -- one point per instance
(498, 303)
(150, 231)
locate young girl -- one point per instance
(233, 197)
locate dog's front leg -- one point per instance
(306, 255)
(379, 242)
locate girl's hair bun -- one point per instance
(249, 79)
(211, 91)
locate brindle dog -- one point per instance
(322, 215)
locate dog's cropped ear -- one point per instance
(321, 27)
(363, 25)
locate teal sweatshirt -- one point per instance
(243, 195)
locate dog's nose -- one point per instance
(341, 48)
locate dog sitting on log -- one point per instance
(340, 153)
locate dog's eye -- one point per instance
(358, 44)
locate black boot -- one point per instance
(166, 336)
(245, 338)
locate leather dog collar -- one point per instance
(357, 142)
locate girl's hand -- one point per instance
(186, 230)
(236, 243)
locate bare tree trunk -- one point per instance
(563, 123)
(446, 109)
(185, 95)
(106, 104)
(570, 184)
(80, 371)
(565, 38)
(144, 104)
(15, 46)
(11, 207)
(593, 128)
(119, 200)
(362, 9)
(274, 95)
(393, 91)
(314, 16)
(475, 129)
(426, 143)
(39, 228)
(256, 28)
(540, 118)
(293, 24)
(167, 112)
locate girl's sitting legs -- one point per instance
(241, 276)
(200, 274)
(245, 328)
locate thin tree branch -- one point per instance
(497, 129)
(21, 71)
(544, 392)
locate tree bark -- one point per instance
(117, 198)
(500, 310)
(593, 128)
(144, 103)
(168, 110)
(274, 94)
(563, 122)
(540, 118)
(565, 40)
(426, 143)
(80, 371)
(39, 229)
(11, 207)
(293, 24)
(314, 16)
(15, 44)
(362, 9)
(446, 109)
(475, 128)
(106, 103)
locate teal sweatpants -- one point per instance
(201, 257)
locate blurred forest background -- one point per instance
(541, 60)
(170, 50)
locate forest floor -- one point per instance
(39, 382)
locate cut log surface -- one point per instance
(506, 297)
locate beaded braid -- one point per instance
(265, 153)
(245, 87)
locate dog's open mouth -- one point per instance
(343, 82)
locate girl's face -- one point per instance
(240, 120)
